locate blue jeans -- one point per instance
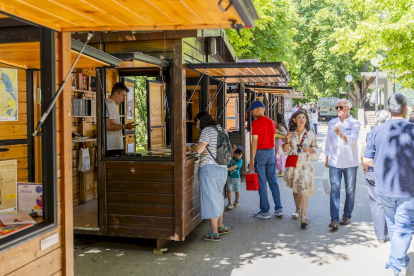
(335, 176)
(265, 166)
(399, 213)
(316, 128)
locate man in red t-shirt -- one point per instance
(262, 159)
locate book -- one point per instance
(6, 230)
(92, 84)
(73, 81)
(30, 198)
(83, 81)
(11, 219)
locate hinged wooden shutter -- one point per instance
(156, 116)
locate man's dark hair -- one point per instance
(397, 104)
(238, 151)
(119, 87)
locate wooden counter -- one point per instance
(140, 199)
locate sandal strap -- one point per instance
(209, 235)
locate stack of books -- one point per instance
(12, 223)
(83, 107)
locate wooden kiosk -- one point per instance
(245, 83)
(46, 248)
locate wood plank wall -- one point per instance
(27, 258)
(140, 199)
(191, 198)
(194, 50)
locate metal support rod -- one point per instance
(349, 89)
(57, 94)
(376, 90)
(192, 94)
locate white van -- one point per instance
(326, 108)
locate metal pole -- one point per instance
(349, 89)
(376, 90)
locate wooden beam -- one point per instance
(19, 34)
(66, 150)
(179, 126)
(135, 36)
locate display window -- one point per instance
(28, 160)
(138, 113)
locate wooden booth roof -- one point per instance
(116, 15)
(140, 60)
(27, 56)
(254, 72)
(296, 95)
(272, 89)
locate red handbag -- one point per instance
(252, 181)
(292, 160)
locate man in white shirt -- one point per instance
(114, 139)
(341, 152)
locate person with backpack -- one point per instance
(215, 154)
(263, 161)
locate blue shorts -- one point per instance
(233, 184)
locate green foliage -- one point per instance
(387, 29)
(272, 38)
(141, 130)
(322, 73)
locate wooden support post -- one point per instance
(66, 150)
(242, 120)
(266, 103)
(161, 246)
(249, 116)
(179, 93)
(204, 93)
(101, 117)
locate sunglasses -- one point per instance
(339, 107)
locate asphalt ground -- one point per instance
(277, 246)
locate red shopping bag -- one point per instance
(252, 181)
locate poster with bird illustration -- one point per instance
(8, 95)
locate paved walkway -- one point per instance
(255, 247)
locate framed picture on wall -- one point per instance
(9, 101)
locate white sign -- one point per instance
(49, 241)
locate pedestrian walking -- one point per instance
(377, 210)
(212, 177)
(390, 151)
(262, 159)
(341, 152)
(315, 120)
(281, 132)
(233, 177)
(301, 141)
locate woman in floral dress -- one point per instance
(302, 177)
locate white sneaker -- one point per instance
(278, 213)
(262, 215)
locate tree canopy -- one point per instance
(322, 41)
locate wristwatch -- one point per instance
(123, 126)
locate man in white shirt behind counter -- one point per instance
(114, 140)
(341, 152)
